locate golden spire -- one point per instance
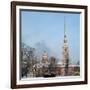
(64, 26)
(65, 37)
(65, 50)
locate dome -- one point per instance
(45, 55)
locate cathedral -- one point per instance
(48, 66)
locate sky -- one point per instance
(48, 28)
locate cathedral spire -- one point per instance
(65, 50)
(64, 26)
(65, 37)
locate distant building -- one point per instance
(45, 57)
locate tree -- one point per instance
(28, 59)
